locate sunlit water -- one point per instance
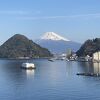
(49, 81)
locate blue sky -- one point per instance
(77, 20)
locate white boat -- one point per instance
(28, 66)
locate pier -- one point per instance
(89, 74)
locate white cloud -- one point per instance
(13, 12)
(30, 15)
(96, 15)
(20, 12)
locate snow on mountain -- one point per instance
(56, 43)
(53, 36)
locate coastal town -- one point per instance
(71, 56)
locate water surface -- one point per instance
(50, 81)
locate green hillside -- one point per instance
(20, 46)
(89, 47)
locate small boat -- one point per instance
(52, 60)
(89, 74)
(28, 66)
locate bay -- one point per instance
(49, 81)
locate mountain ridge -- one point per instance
(59, 45)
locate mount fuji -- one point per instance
(56, 43)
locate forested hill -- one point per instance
(89, 47)
(20, 46)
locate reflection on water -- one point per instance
(30, 73)
(69, 68)
(89, 67)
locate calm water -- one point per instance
(50, 81)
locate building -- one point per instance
(96, 57)
(69, 53)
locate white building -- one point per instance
(96, 68)
(96, 56)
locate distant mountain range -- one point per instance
(56, 43)
(20, 46)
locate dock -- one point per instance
(89, 74)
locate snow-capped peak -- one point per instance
(53, 36)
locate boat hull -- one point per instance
(28, 66)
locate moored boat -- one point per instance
(51, 59)
(28, 66)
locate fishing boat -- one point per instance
(28, 66)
